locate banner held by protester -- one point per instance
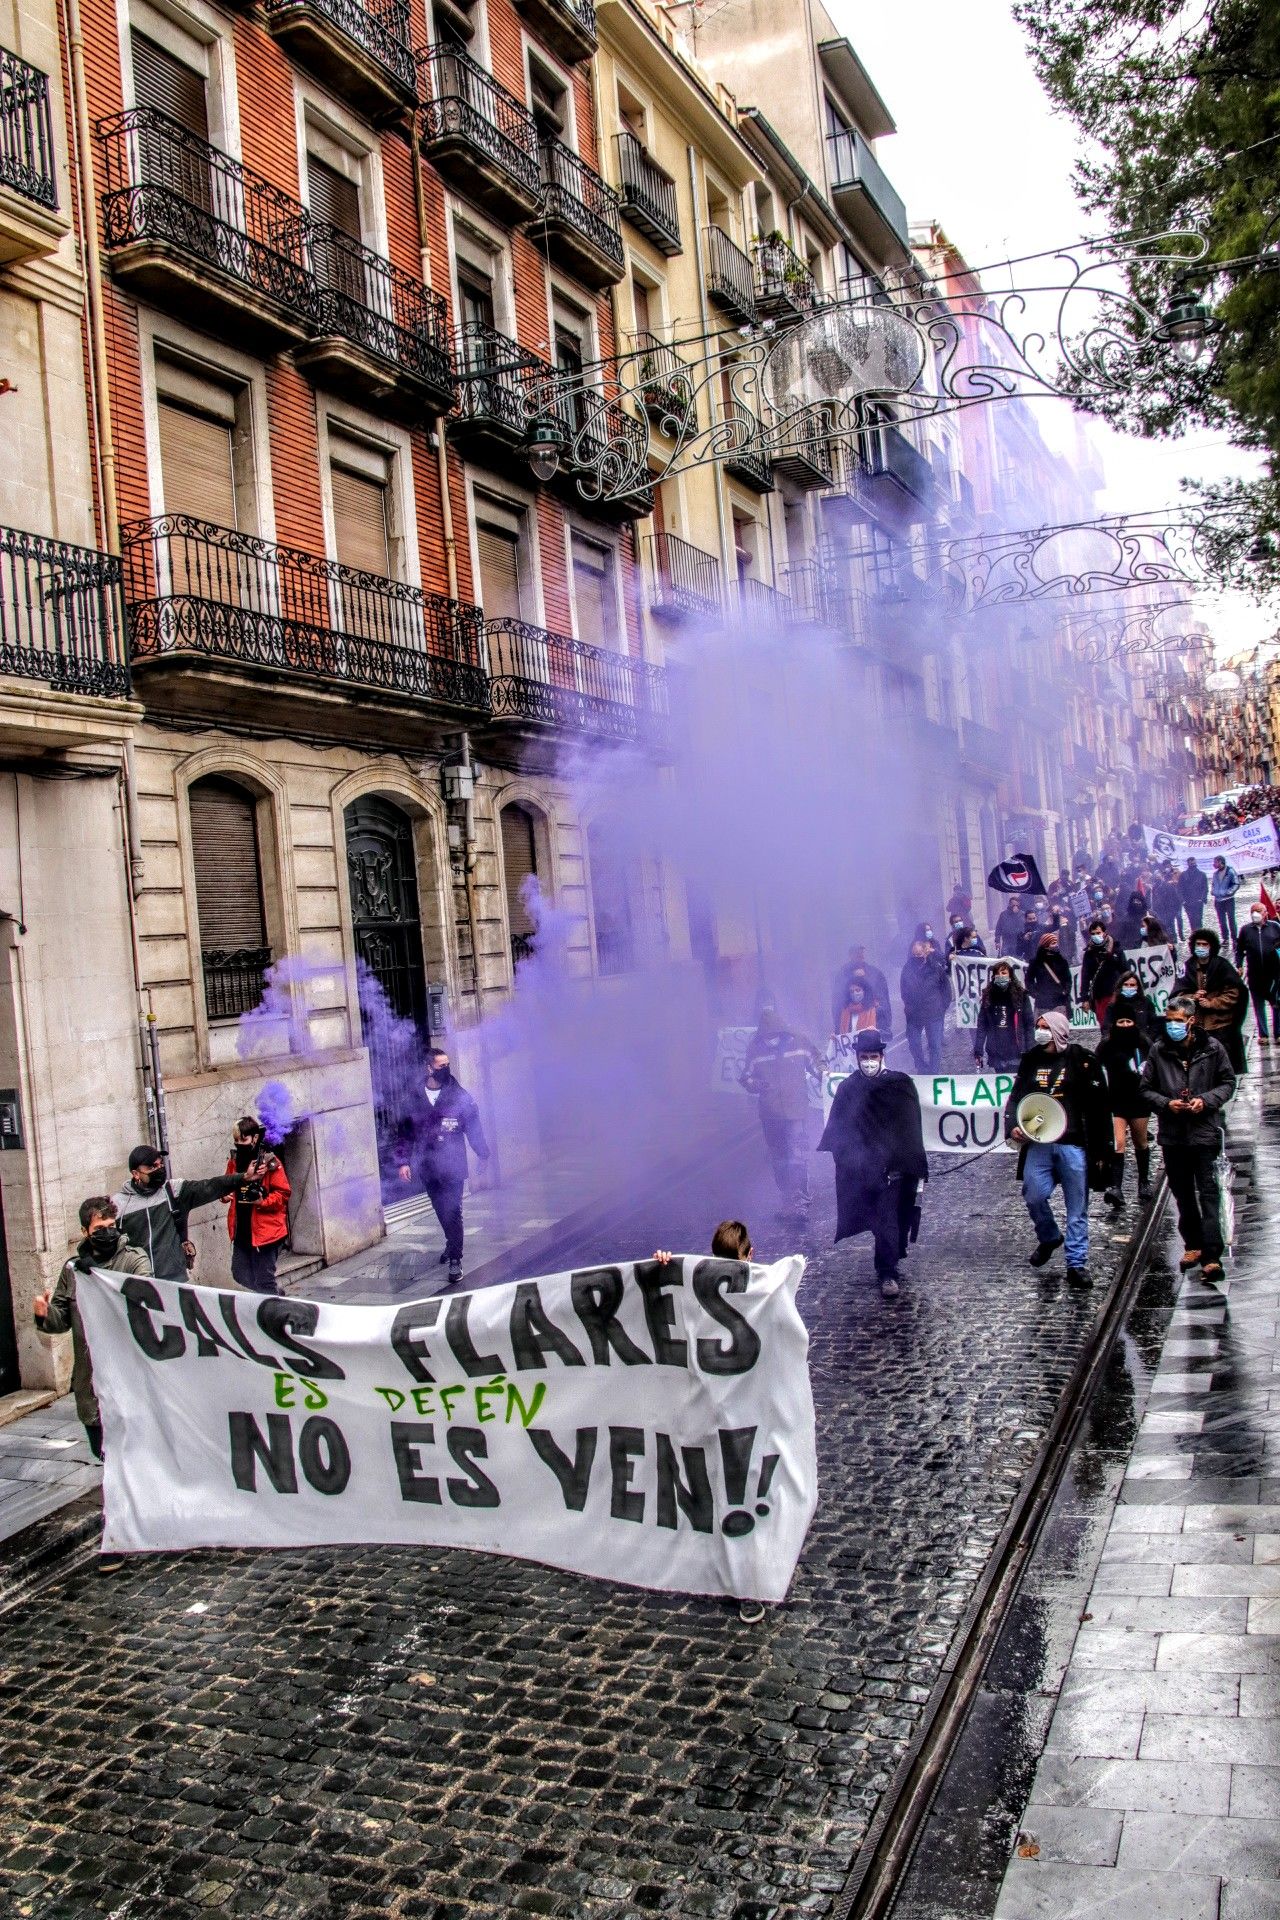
(1251, 848)
(960, 1112)
(649, 1422)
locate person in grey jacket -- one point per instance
(153, 1212)
(1224, 885)
(103, 1246)
(1187, 1080)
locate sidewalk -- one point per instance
(1158, 1792)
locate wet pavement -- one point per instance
(344, 1733)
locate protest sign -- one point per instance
(960, 1112)
(731, 1059)
(1153, 965)
(970, 976)
(1252, 848)
(649, 1422)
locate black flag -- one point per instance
(1019, 875)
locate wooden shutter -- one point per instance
(224, 847)
(360, 521)
(169, 86)
(640, 302)
(333, 197)
(196, 468)
(593, 594)
(519, 860)
(499, 552)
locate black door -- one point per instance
(383, 879)
(9, 1378)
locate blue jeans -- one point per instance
(1049, 1166)
(924, 1037)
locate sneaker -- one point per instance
(751, 1611)
(110, 1562)
(1113, 1197)
(455, 1273)
(889, 1287)
(1079, 1277)
(1044, 1252)
(1191, 1258)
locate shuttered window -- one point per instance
(519, 860)
(197, 473)
(498, 546)
(224, 847)
(335, 202)
(333, 197)
(360, 520)
(593, 593)
(169, 85)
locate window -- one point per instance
(482, 279)
(500, 534)
(643, 307)
(205, 431)
(360, 477)
(549, 102)
(745, 538)
(594, 592)
(228, 870)
(166, 85)
(610, 904)
(519, 869)
(335, 203)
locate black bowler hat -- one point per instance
(868, 1041)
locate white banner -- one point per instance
(731, 1059)
(961, 1112)
(1153, 965)
(650, 1423)
(1253, 848)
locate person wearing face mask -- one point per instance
(1224, 886)
(1100, 970)
(1030, 937)
(924, 931)
(1193, 885)
(876, 1138)
(258, 1216)
(103, 1246)
(153, 1212)
(1121, 1054)
(1166, 899)
(963, 938)
(1008, 930)
(1133, 1001)
(1048, 978)
(1127, 929)
(1187, 1081)
(1006, 1025)
(1221, 997)
(1058, 1066)
(447, 1122)
(925, 989)
(1258, 954)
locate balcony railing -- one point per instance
(166, 189)
(234, 980)
(383, 311)
(747, 458)
(502, 401)
(802, 450)
(194, 588)
(686, 581)
(551, 680)
(567, 25)
(890, 453)
(377, 30)
(26, 132)
(478, 133)
(763, 604)
(648, 194)
(663, 380)
(785, 288)
(730, 277)
(579, 221)
(855, 171)
(984, 747)
(60, 616)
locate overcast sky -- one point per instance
(979, 149)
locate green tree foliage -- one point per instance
(1179, 103)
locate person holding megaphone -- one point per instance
(1057, 1112)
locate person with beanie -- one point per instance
(1122, 1055)
(1068, 1073)
(1100, 970)
(1221, 997)
(1048, 978)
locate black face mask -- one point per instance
(247, 1152)
(152, 1182)
(103, 1242)
(440, 1077)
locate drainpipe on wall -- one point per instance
(82, 134)
(704, 317)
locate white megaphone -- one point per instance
(1042, 1118)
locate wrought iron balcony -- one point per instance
(764, 605)
(28, 181)
(186, 224)
(747, 457)
(664, 381)
(648, 194)
(295, 621)
(785, 288)
(496, 407)
(382, 334)
(862, 193)
(686, 581)
(60, 616)
(801, 449)
(891, 456)
(984, 747)
(568, 26)
(730, 278)
(544, 679)
(234, 980)
(360, 48)
(578, 226)
(601, 439)
(479, 136)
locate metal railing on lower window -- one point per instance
(379, 27)
(191, 587)
(26, 132)
(461, 101)
(574, 192)
(60, 615)
(510, 378)
(686, 580)
(664, 381)
(783, 281)
(648, 193)
(730, 277)
(548, 677)
(379, 307)
(234, 980)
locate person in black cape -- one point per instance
(876, 1138)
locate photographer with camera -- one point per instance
(258, 1213)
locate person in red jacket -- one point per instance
(258, 1215)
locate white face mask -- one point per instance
(870, 1064)
(1043, 1036)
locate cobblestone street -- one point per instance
(342, 1733)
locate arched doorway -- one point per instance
(383, 881)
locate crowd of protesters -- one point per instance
(1253, 804)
